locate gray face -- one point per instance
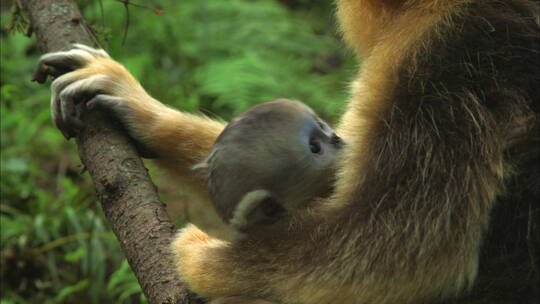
(274, 158)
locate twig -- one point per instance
(155, 10)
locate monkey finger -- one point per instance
(43, 71)
(57, 116)
(75, 93)
(59, 63)
(56, 105)
(57, 87)
(93, 51)
(117, 105)
(69, 114)
(60, 124)
(105, 102)
(62, 113)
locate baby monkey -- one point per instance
(268, 161)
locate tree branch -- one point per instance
(128, 197)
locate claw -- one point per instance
(45, 70)
(65, 131)
(41, 73)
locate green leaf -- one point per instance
(15, 165)
(75, 256)
(66, 291)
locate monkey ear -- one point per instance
(202, 169)
(203, 166)
(256, 208)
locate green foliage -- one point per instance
(55, 245)
(223, 57)
(214, 56)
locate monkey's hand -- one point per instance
(208, 267)
(198, 260)
(88, 75)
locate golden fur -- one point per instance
(436, 148)
(179, 139)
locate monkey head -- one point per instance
(270, 160)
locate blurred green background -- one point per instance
(213, 56)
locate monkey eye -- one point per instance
(315, 146)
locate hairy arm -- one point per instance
(424, 165)
(180, 140)
(423, 168)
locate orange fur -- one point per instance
(427, 160)
(385, 33)
(186, 138)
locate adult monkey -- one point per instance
(443, 140)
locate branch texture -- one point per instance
(128, 197)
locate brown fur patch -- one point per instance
(437, 197)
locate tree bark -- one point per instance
(128, 197)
